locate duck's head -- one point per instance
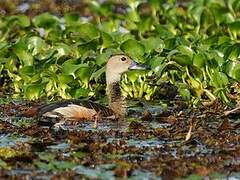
(119, 64)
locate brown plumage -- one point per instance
(79, 110)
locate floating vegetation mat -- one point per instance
(178, 143)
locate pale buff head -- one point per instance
(119, 64)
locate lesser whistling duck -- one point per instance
(79, 110)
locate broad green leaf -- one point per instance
(232, 52)
(185, 50)
(33, 91)
(65, 78)
(71, 19)
(156, 63)
(183, 60)
(21, 20)
(86, 32)
(24, 56)
(199, 60)
(102, 58)
(27, 70)
(153, 44)
(106, 39)
(46, 21)
(133, 48)
(97, 74)
(69, 67)
(36, 45)
(84, 74)
(234, 26)
(62, 50)
(81, 92)
(20, 49)
(232, 69)
(164, 32)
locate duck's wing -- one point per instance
(74, 109)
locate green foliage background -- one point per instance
(193, 45)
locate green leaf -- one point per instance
(232, 69)
(102, 58)
(33, 91)
(86, 32)
(183, 60)
(46, 21)
(84, 73)
(153, 44)
(22, 20)
(132, 47)
(27, 70)
(81, 92)
(65, 78)
(106, 39)
(185, 50)
(69, 67)
(185, 93)
(62, 50)
(97, 74)
(20, 49)
(72, 19)
(199, 60)
(36, 45)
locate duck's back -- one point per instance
(74, 110)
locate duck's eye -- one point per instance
(123, 58)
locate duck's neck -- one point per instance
(115, 99)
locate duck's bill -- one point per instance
(135, 65)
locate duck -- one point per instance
(77, 110)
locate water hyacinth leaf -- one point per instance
(234, 26)
(153, 44)
(20, 49)
(97, 74)
(232, 52)
(27, 70)
(145, 24)
(133, 16)
(185, 50)
(102, 58)
(46, 21)
(106, 40)
(21, 20)
(156, 63)
(71, 19)
(33, 91)
(36, 45)
(85, 48)
(132, 75)
(232, 69)
(184, 93)
(199, 60)
(87, 32)
(155, 5)
(84, 74)
(81, 92)
(1, 68)
(134, 48)
(65, 78)
(219, 79)
(69, 67)
(24, 56)
(164, 32)
(183, 60)
(62, 50)
(3, 48)
(196, 13)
